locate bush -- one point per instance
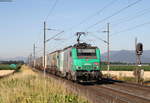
(10, 67)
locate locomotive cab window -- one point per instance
(88, 53)
(70, 54)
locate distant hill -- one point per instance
(126, 56)
(19, 58)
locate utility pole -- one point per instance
(34, 55)
(44, 47)
(136, 70)
(108, 48)
(135, 50)
(30, 59)
(137, 60)
(44, 42)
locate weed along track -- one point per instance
(108, 91)
(27, 86)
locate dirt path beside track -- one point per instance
(6, 72)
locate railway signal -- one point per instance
(139, 49)
(138, 72)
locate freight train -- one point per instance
(80, 62)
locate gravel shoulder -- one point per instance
(5, 72)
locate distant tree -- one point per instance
(12, 62)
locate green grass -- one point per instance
(28, 87)
(8, 67)
(5, 67)
(124, 67)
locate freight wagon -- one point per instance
(80, 62)
(39, 63)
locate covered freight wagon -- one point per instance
(53, 62)
(39, 63)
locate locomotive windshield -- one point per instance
(88, 53)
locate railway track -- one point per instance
(122, 95)
(132, 87)
(126, 83)
(108, 91)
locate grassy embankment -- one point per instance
(27, 86)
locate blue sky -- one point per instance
(22, 24)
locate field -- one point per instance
(124, 67)
(28, 87)
(8, 67)
(5, 67)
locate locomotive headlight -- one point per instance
(96, 67)
(78, 67)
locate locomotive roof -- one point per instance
(84, 46)
(78, 46)
(55, 51)
(67, 47)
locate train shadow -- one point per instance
(108, 81)
(147, 83)
(103, 81)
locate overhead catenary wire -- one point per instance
(114, 14)
(94, 14)
(133, 17)
(59, 45)
(45, 28)
(127, 19)
(51, 10)
(97, 37)
(132, 28)
(53, 37)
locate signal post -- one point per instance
(138, 72)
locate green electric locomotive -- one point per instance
(80, 62)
